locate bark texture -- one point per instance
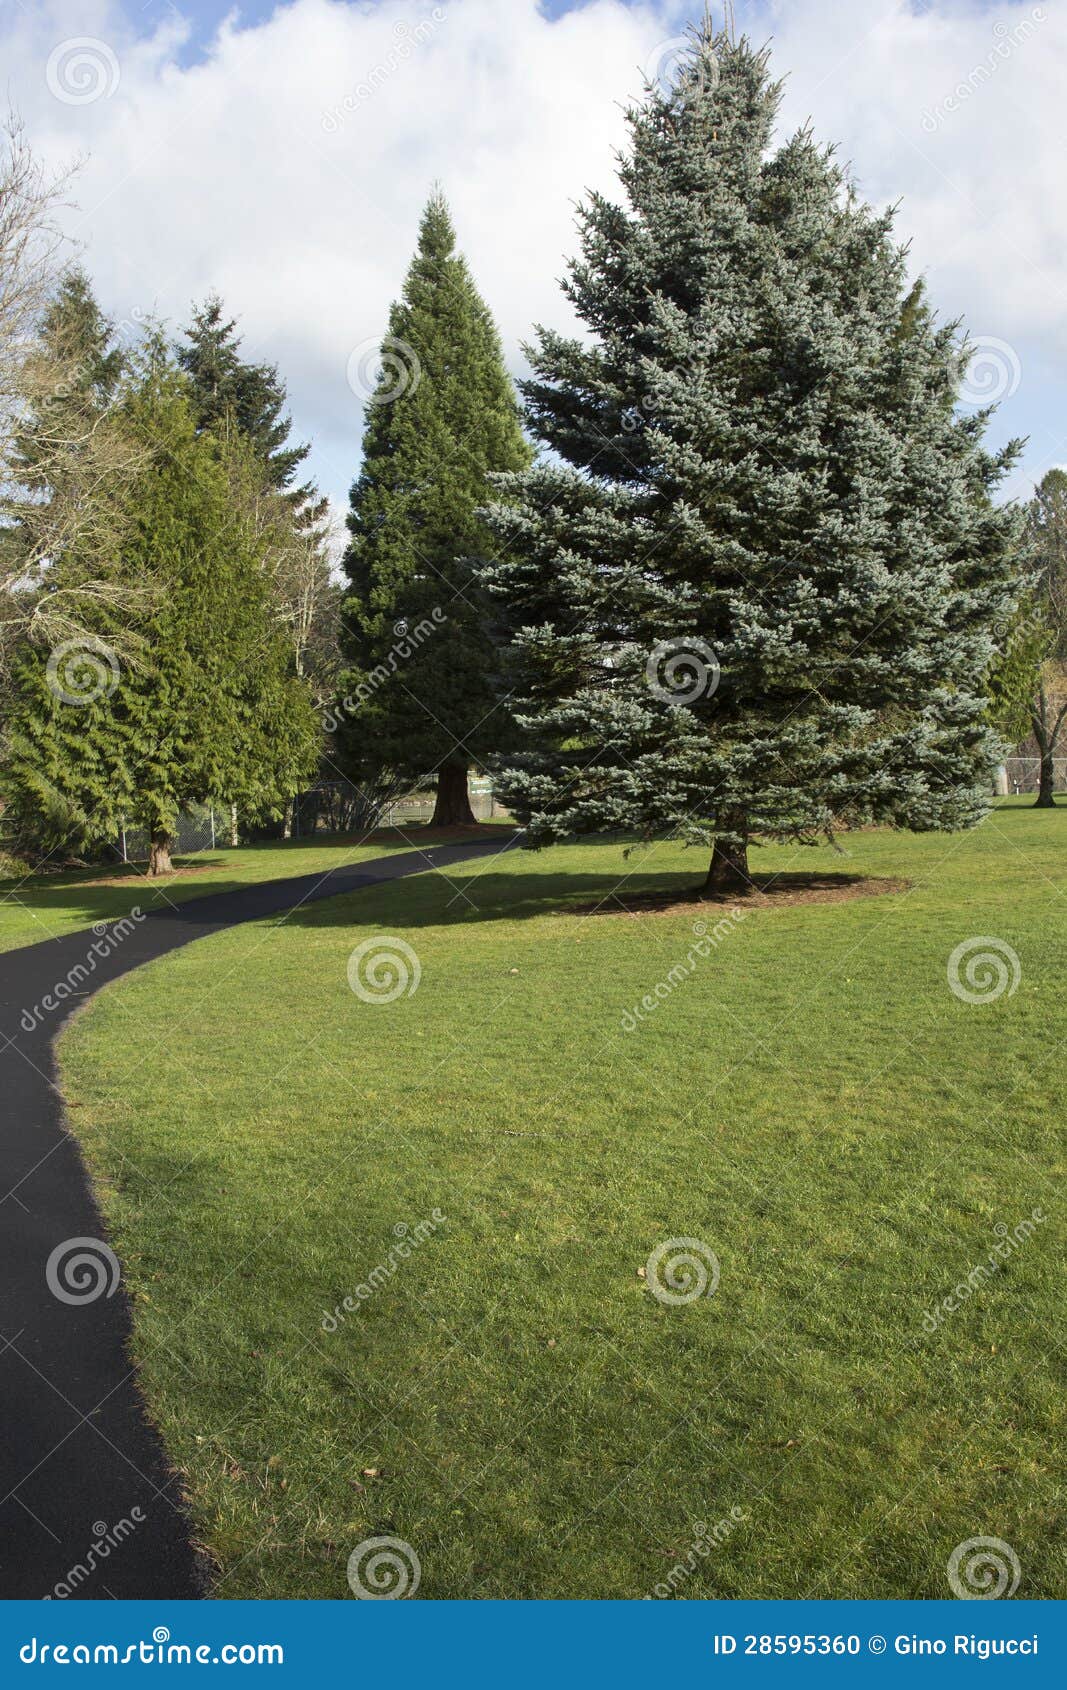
(453, 806)
(159, 849)
(729, 859)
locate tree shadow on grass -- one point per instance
(462, 896)
(104, 891)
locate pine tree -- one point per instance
(209, 704)
(419, 639)
(230, 394)
(754, 599)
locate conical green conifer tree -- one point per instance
(755, 597)
(421, 694)
(208, 702)
(230, 394)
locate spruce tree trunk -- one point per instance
(453, 806)
(160, 842)
(729, 858)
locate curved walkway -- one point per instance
(88, 1504)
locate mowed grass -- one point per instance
(45, 906)
(812, 1103)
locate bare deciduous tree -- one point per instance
(65, 465)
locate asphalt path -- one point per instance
(89, 1506)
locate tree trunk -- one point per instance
(159, 853)
(287, 819)
(453, 806)
(1046, 735)
(1000, 782)
(729, 859)
(1046, 787)
(234, 841)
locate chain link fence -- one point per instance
(329, 807)
(339, 807)
(195, 830)
(1024, 773)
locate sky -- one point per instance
(281, 154)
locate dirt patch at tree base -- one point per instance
(136, 871)
(767, 892)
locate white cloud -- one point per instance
(286, 164)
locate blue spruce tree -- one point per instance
(753, 582)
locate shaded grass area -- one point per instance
(809, 1100)
(45, 906)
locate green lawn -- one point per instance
(811, 1102)
(44, 906)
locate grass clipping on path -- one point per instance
(397, 1264)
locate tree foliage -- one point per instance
(64, 465)
(244, 405)
(756, 579)
(229, 394)
(418, 634)
(208, 703)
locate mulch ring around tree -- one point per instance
(767, 891)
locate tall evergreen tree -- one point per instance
(230, 394)
(243, 405)
(755, 597)
(209, 705)
(69, 468)
(417, 633)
